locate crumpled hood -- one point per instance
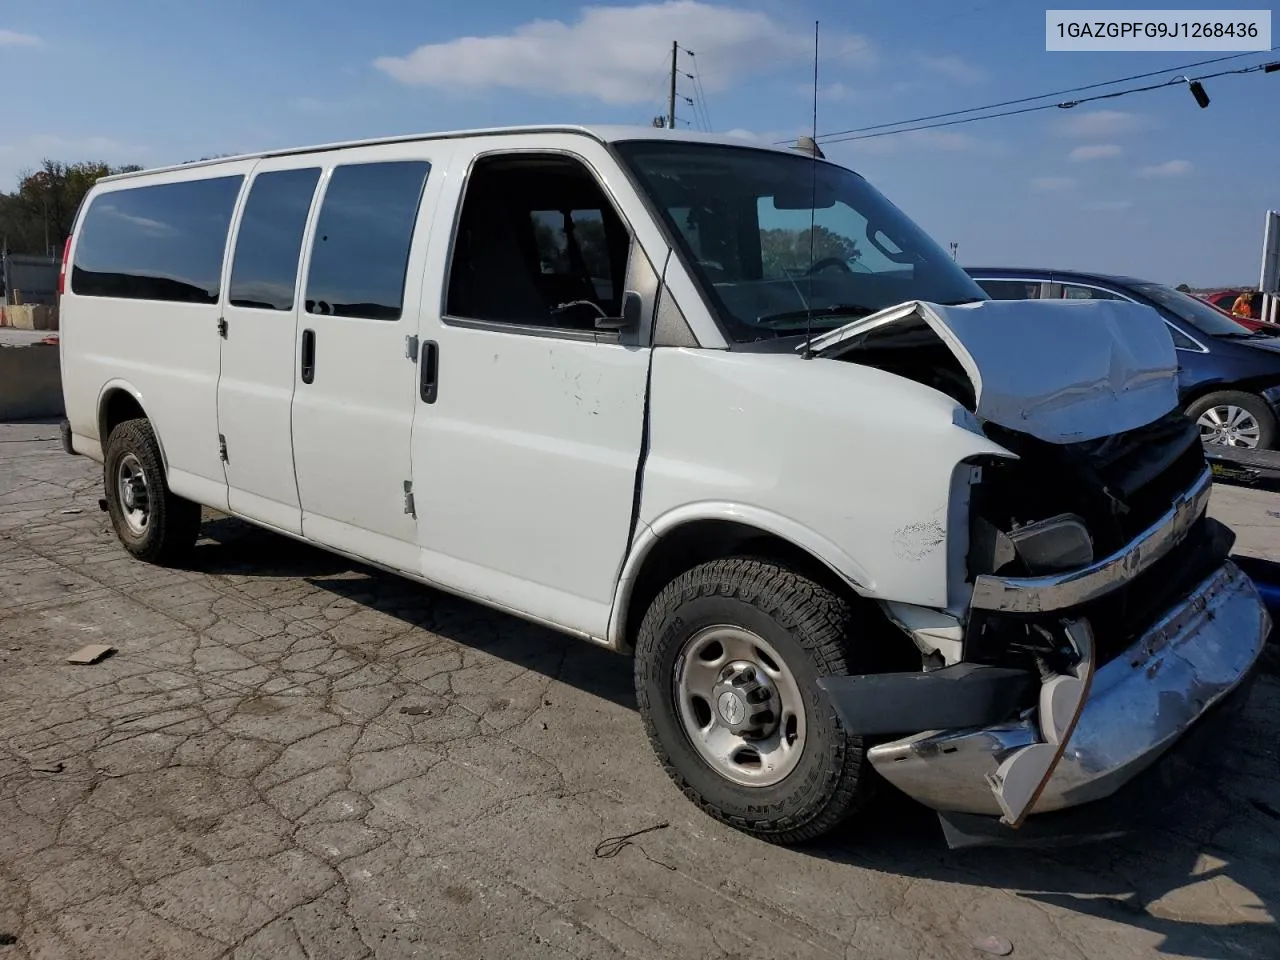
(1060, 370)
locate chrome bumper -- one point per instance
(1057, 592)
(1139, 704)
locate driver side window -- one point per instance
(538, 244)
(839, 234)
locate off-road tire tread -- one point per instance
(174, 523)
(822, 622)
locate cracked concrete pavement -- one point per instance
(291, 756)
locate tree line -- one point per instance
(38, 216)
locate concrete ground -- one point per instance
(292, 757)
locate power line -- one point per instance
(698, 105)
(1066, 104)
(701, 93)
(1042, 96)
(654, 88)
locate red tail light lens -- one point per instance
(62, 272)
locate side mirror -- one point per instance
(630, 319)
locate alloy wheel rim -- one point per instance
(1229, 425)
(740, 706)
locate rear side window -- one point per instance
(265, 269)
(361, 247)
(161, 242)
(1071, 291)
(1011, 289)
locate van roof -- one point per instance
(601, 133)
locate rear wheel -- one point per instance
(1234, 419)
(153, 523)
(727, 662)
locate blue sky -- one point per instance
(1147, 184)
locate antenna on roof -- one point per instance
(813, 198)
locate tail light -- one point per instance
(62, 271)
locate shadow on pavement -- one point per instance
(1157, 879)
(1226, 833)
(240, 549)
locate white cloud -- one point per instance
(11, 38)
(953, 68)
(615, 54)
(1103, 206)
(835, 92)
(1095, 151)
(1170, 168)
(1100, 123)
(1052, 184)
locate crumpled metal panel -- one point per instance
(1139, 705)
(1060, 370)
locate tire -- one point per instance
(813, 632)
(1253, 405)
(153, 524)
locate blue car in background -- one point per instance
(1228, 376)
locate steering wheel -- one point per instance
(829, 262)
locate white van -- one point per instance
(720, 407)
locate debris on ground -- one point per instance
(416, 710)
(72, 510)
(7, 939)
(55, 767)
(91, 653)
(610, 847)
(996, 946)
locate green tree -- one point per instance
(38, 216)
(785, 252)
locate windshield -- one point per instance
(741, 217)
(1195, 312)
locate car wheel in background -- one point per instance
(1234, 419)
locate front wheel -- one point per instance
(1234, 419)
(727, 662)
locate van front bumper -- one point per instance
(1139, 705)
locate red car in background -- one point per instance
(1223, 300)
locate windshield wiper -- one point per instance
(851, 310)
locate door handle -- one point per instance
(308, 355)
(429, 362)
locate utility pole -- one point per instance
(671, 99)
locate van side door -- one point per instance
(532, 404)
(356, 372)
(259, 328)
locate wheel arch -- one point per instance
(120, 401)
(688, 536)
(1250, 385)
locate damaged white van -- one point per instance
(719, 407)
